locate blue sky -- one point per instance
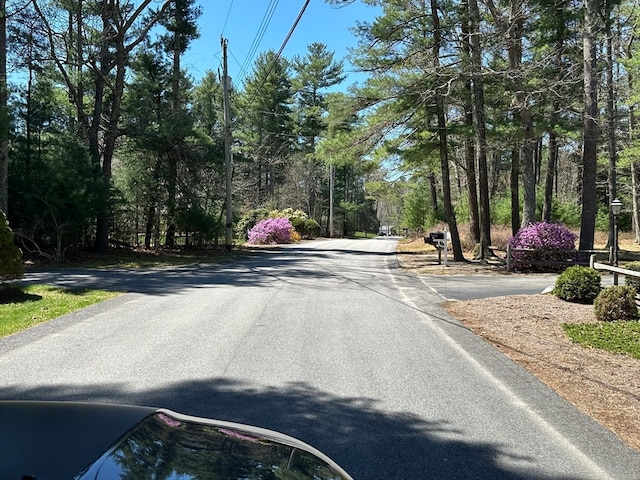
(246, 26)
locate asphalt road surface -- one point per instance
(327, 341)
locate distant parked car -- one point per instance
(82, 441)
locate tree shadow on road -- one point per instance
(368, 442)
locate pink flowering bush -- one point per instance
(271, 231)
(543, 242)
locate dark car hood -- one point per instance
(61, 440)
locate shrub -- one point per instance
(633, 281)
(271, 231)
(298, 225)
(289, 213)
(543, 242)
(11, 265)
(248, 221)
(616, 303)
(310, 229)
(578, 284)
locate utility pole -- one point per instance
(227, 146)
(331, 187)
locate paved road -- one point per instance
(458, 287)
(326, 341)
(461, 287)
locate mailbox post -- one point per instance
(440, 240)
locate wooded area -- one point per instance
(475, 113)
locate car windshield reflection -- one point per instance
(164, 447)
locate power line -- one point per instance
(227, 17)
(262, 29)
(277, 56)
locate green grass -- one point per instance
(24, 307)
(615, 337)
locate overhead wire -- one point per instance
(262, 29)
(226, 19)
(276, 58)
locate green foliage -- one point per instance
(631, 280)
(501, 210)
(204, 227)
(567, 213)
(10, 255)
(603, 221)
(615, 337)
(418, 213)
(55, 200)
(311, 229)
(289, 213)
(307, 228)
(578, 284)
(248, 221)
(616, 303)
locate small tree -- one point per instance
(10, 255)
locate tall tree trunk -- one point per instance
(635, 198)
(513, 29)
(515, 190)
(4, 114)
(481, 130)
(550, 175)
(442, 140)
(611, 132)
(433, 191)
(635, 165)
(469, 149)
(102, 162)
(552, 159)
(590, 121)
(174, 153)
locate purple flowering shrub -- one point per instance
(271, 231)
(543, 242)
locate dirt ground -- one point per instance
(527, 329)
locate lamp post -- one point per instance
(616, 206)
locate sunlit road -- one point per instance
(326, 341)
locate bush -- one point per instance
(289, 213)
(271, 231)
(11, 265)
(248, 221)
(578, 284)
(616, 303)
(543, 242)
(633, 281)
(311, 229)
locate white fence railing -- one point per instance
(610, 268)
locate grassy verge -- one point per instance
(615, 337)
(24, 307)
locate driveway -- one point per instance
(461, 287)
